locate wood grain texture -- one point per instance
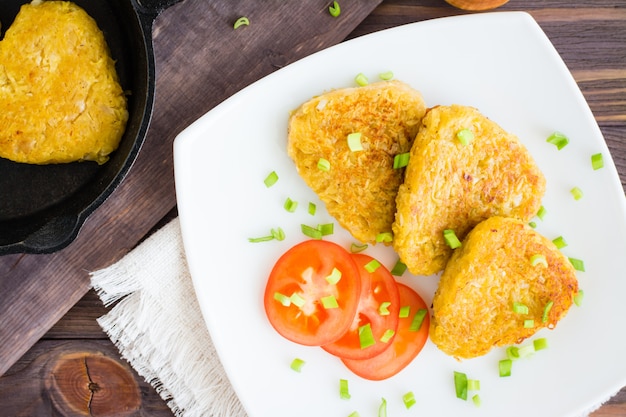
(589, 35)
(201, 60)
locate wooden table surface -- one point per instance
(47, 311)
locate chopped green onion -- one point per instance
(344, 391)
(384, 237)
(526, 351)
(383, 308)
(473, 385)
(558, 139)
(460, 385)
(409, 399)
(372, 266)
(532, 224)
(529, 323)
(354, 142)
(278, 234)
(559, 242)
(386, 337)
(382, 410)
(512, 352)
(290, 205)
(398, 269)
(578, 264)
(312, 209)
(297, 364)
(297, 300)
(326, 228)
(271, 179)
(334, 276)
(356, 248)
(260, 239)
(577, 193)
(546, 311)
(361, 79)
(520, 308)
(450, 237)
(476, 400)
(312, 232)
(537, 259)
(542, 212)
(418, 319)
(323, 164)
(329, 302)
(540, 344)
(282, 298)
(240, 22)
(366, 337)
(578, 298)
(386, 76)
(275, 234)
(334, 10)
(401, 160)
(404, 312)
(465, 136)
(596, 161)
(504, 367)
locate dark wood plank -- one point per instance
(77, 378)
(201, 60)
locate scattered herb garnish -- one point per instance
(558, 139)
(361, 79)
(297, 364)
(386, 76)
(242, 21)
(271, 179)
(275, 234)
(597, 161)
(334, 9)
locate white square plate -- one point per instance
(501, 63)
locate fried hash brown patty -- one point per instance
(360, 187)
(473, 305)
(60, 99)
(449, 185)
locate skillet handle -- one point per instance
(154, 7)
(54, 235)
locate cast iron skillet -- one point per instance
(42, 208)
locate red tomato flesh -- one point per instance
(303, 270)
(403, 349)
(376, 288)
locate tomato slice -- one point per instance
(377, 287)
(403, 349)
(298, 286)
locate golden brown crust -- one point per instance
(360, 188)
(60, 99)
(473, 305)
(449, 185)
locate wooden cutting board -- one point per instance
(201, 60)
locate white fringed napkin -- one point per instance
(158, 328)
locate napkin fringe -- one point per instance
(114, 283)
(150, 353)
(157, 327)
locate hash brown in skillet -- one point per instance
(359, 189)
(449, 185)
(60, 98)
(473, 305)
